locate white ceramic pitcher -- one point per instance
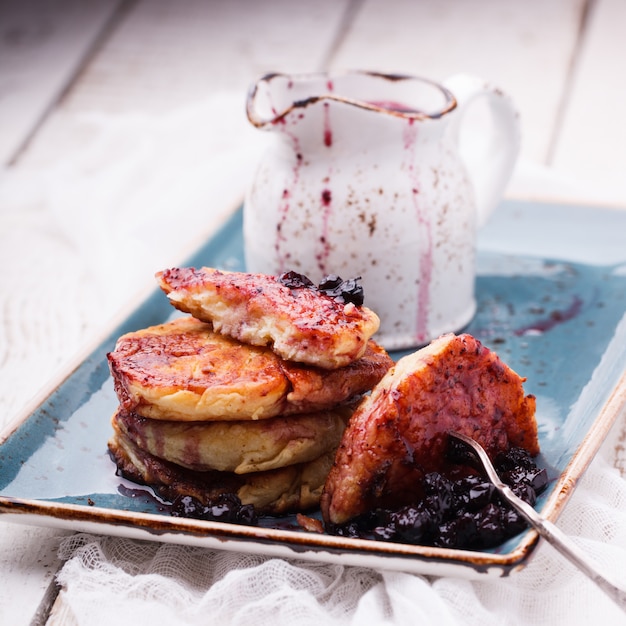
(371, 175)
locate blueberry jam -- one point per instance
(225, 508)
(333, 286)
(346, 291)
(293, 280)
(459, 510)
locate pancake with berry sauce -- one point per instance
(325, 326)
(399, 433)
(184, 371)
(242, 447)
(289, 489)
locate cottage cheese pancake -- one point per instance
(184, 371)
(399, 432)
(237, 446)
(275, 492)
(299, 323)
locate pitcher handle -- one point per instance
(489, 157)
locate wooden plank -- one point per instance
(524, 47)
(591, 146)
(28, 563)
(166, 56)
(170, 54)
(42, 45)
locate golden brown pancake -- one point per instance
(399, 432)
(184, 371)
(291, 489)
(299, 324)
(241, 447)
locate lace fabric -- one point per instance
(107, 580)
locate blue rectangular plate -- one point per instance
(551, 291)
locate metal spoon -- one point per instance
(546, 529)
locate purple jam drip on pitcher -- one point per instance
(326, 196)
(425, 236)
(322, 257)
(328, 133)
(284, 207)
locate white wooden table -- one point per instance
(561, 61)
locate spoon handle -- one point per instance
(563, 544)
(549, 531)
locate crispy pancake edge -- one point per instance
(299, 324)
(241, 447)
(155, 377)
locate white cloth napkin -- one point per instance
(107, 580)
(80, 238)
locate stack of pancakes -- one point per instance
(249, 394)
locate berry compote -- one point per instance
(225, 508)
(460, 510)
(332, 286)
